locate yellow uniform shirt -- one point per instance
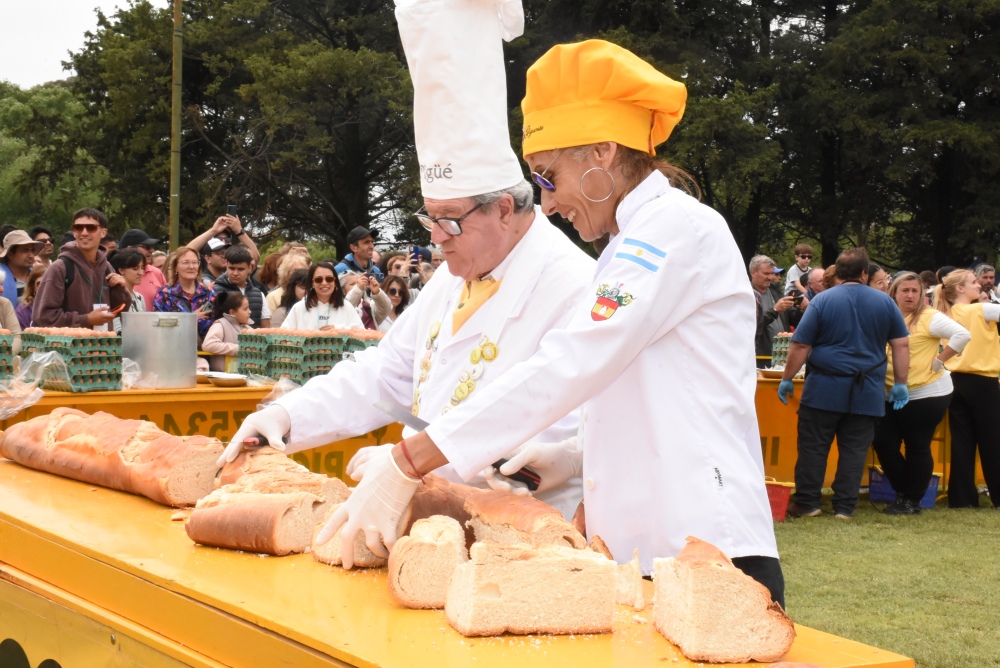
(924, 347)
(982, 355)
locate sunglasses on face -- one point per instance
(452, 226)
(806, 257)
(539, 177)
(319, 280)
(394, 292)
(44, 240)
(85, 227)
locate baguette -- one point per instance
(506, 518)
(421, 564)
(714, 612)
(277, 524)
(523, 589)
(133, 456)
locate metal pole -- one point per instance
(175, 131)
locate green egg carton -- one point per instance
(333, 344)
(285, 340)
(287, 353)
(88, 382)
(6, 343)
(279, 370)
(251, 342)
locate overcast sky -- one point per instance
(40, 34)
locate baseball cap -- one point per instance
(137, 237)
(357, 234)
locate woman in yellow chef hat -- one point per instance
(661, 356)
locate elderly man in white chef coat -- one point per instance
(660, 353)
(510, 277)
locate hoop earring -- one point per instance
(606, 197)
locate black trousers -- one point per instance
(767, 571)
(973, 419)
(913, 425)
(816, 431)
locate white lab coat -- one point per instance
(542, 277)
(670, 439)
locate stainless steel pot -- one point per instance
(164, 345)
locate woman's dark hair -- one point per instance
(128, 258)
(404, 292)
(297, 277)
(226, 302)
(337, 298)
(872, 270)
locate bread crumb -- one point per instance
(178, 516)
(92, 489)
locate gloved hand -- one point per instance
(555, 463)
(786, 389)
(374, 507)
(899, 396)
(272, 423)
(359, 462)
(937, 365)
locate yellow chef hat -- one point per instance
(596, 91)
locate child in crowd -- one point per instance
(803, 257)
(231, 315)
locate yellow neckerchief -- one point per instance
(474, 295)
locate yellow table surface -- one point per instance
(123, 553)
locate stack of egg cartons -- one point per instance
(6, 353)
(779, 349)
(93, 359)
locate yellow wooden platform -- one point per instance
(92, 563)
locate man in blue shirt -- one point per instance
(843, 334)
(360, 258)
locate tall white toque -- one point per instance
(455, 55)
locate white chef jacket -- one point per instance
(670, 440)
(542, 277)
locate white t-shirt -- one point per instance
(321, 315)
(795, 274)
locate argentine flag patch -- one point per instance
(645, 255)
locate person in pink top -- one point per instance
(152, 279)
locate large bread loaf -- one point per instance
(129, 455)
(714, 612)
(329, 552)
(523, 589)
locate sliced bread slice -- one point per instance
(523, 589)
(422, 563)
(329, 552)
(714, 612)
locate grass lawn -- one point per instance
(926, 586)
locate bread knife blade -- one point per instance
(403, 416)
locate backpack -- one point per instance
(116, 300)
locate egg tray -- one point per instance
(99, 380)
(293, 372)
(6, 344)
(251, 342)
(70, 346)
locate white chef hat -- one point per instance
(456, 61)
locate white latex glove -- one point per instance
(504, 484)
(374, 507)
(937, 365)
(359, 462)
(272, 423)
(555, 463)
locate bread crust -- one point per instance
(421, 564)
(128, 455)
(507, 518)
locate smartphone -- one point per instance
(797, 300)
(118, 310)
(231, 211)
(415, 252)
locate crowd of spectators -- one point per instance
(94, 277)
(886, 357)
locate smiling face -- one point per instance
(968, 288)
(575, 179)
(879, 281)
(323, 285)
(479, 248)
(88, 233)
(188, 266)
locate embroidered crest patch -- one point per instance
(608, 301)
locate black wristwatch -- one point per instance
(241, 233)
